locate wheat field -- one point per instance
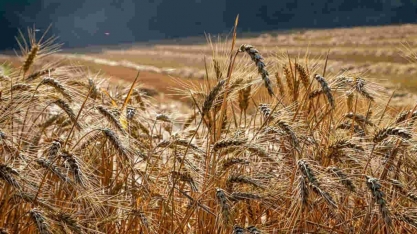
(281, 143)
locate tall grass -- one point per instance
(329, 155)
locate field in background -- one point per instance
(381, 53)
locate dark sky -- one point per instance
(81, 23)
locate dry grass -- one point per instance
(80, 156)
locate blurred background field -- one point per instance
(384, 53)
(374, 39)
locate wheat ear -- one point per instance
(258, 59)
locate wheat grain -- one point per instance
(224, 144)
(130, 112)
(217, 69)
(163, 118)
(280, 85)
(70, 221)
(288, 130)
(289, 79)
(304, 167)
(54, 149)
(391, 131)
(115, 141)
(208, 102)
(258, 59)
(30, 58)
(233, 161)
(360, 88)
(260, 152)
(38, 74)
(253, 230)
(224, 205)
(303, 75)
(4, 77)
(244, 96)
(326, 89)
(405, 115)
(54, 169)
(40, 221)
(327, 197)
(315, 93)
(111, 118)
(407, 219)
(8, 175)
(139, 99)
(266, 112)
(21, 87)
(348, 183)
(360, 119)
(30, 198)
(232, 87)
(348, 126)
(57, 86)
(378, 195)
(66, 107)
(238, 230)
(336, 147)
(142, 217)
(303, 191)
(49, 122)
(245, 196)
(241, 179)
(74, 166)
(186, 177)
